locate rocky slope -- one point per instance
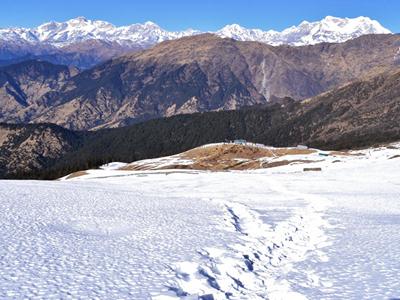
(26, 150)
(359, 114)
(205, 72)
(362, 113)
(23, 87)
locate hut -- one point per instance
(240, 142)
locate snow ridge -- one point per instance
(330, 29)
(80, 29)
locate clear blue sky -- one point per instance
(200, 14)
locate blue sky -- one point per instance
(201, 14)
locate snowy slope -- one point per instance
(276, 233)
(58, 34)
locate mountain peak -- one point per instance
(232, 26)
(329, 29)
(332, 18)
(234, 31)
(150, 23)
(78, 20)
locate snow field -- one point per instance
(277, 233)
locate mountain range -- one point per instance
(85, 43)
(192, 74)
(328, 84)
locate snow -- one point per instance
(162, 162)
(277, 233)
(113, 166)
(81, 29)
(58, 34)
(330, 29)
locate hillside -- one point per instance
(360, 114)
(205, 73)
(23, 87)
(227, 156)
(27, 150)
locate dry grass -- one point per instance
(4, 134)
(135, 167)
(77, 174)
(229, 157)
(233, 151)
(345, 153)
(287, 162)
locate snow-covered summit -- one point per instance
(329, 29)
(81, 29)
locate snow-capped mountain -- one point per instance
(329, 29)
(81, 29)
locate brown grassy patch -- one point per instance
(77, 174)
(232, 151)
(229, 157)
(135, 167)
(345, 153)
(275, 164)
